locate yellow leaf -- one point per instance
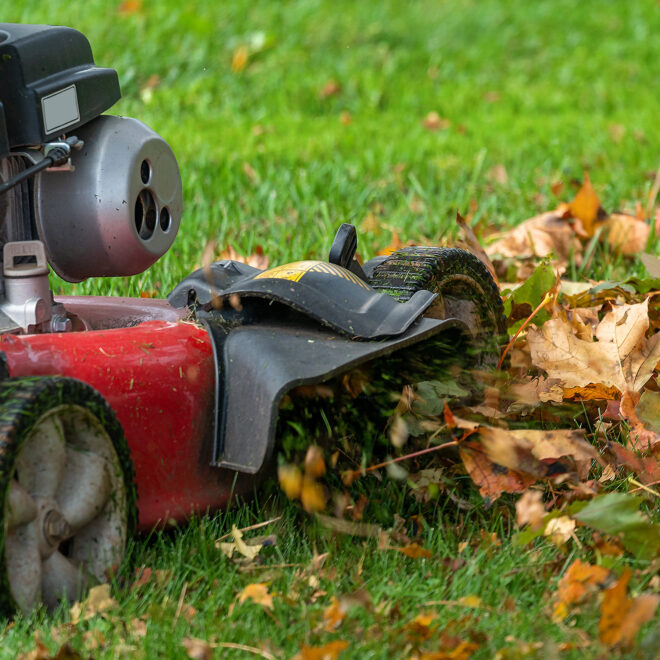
(312, 495)
(333, 615)
(98, 600)
(471, 601)
(330, 651)
(257, 593)
(239, 545)
(290, 479)
(580, 579)
(314, 463)
(586, 207)
(128, 7)
(415, 551)
(239, 59)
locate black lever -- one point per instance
(342, 251)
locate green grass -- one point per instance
(546, 89)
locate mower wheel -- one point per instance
(67, 492)
(467, 290)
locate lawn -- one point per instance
(287, 119)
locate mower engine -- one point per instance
(89, 194)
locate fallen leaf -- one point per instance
(560, 530)
(578, 581)
(238, 545)
(651, 263)
(474, 246)
(498, 174)
(333, 615)
(129, 7)
(541, 236)
(491, 478)
(197, 649)
(621, 357)
(421, 626)
(530, 509)
(257, 260)
(586, 207)
(434, 122)
(463, 651)
(98, 601)
(622, 617)
(626, 234)
(257, 593)
(239, 59)
(414, 550)
(330, 88)
(329, 651)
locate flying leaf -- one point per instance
(312, 495)
(622, 617)
(622, 357)
(560, 530)
(526, 298)
(314, 463)
(579, 580)
(651, 263)
(290, 479)
(474, 246)
(618, 513)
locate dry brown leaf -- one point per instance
(622, 357)
(579, 580)
(647, 468)
(330, 88)
(622, 617)
(333, 615)
(434, 122)
(197, 649)
(129, 7)
(474, 246)
(257, 260)
(530, 450)
(98, 600)
(541, 236)
(560, 530)
(463, 651)
(492, 479)
(329, 651)
(626, 234)
(421, 626)
(530, 509)
(641, 438)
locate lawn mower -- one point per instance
(168, 407)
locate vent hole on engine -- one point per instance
(145, 172)
(165, 219)
(145, 214)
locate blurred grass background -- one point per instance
(324, 121)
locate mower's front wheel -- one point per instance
(67, 492)
(465, 289)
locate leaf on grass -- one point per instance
(537, 453)
(333, 615)
(257, 593)
(622, 357)
(530, 510)
(544, 235)
(491, 478)
(421, 627)
(329, 651)
(475, 246)
(463, 651)
(239, 59)
(579, 580)
(626, 234)
(414, 550)
(258, 259)
(619, 514)
(622, 617)
(349, 527)
(238, 546)
(197, 649)
(647, 468)
(586, 207)
(98, 601)
(560, 530)
(640, 437)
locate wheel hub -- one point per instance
(55, 528)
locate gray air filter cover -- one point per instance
(119, 211)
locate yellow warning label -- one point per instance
(296, 270)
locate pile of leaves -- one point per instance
(566, 429)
